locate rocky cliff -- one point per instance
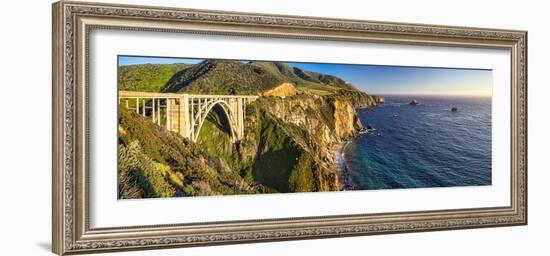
(289, 141)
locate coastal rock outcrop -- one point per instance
(283, 90)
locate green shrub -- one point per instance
(137, 170)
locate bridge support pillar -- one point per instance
(240, 119)
(184, 120)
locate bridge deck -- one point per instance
(133, 94)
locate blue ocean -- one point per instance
(426, 145)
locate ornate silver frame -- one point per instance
(72, 21)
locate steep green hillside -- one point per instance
(147, 77)
(223, 77)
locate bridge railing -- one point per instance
(156, 108)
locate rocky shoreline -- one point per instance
(339, 156)
(340, 163)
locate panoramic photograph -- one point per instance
(210, 127)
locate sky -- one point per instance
(381, 80)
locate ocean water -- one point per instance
(420, 146)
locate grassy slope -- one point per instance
(147, 77)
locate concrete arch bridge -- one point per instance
(186, 113)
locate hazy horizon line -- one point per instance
(426, 94)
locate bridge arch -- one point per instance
(206, 109)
